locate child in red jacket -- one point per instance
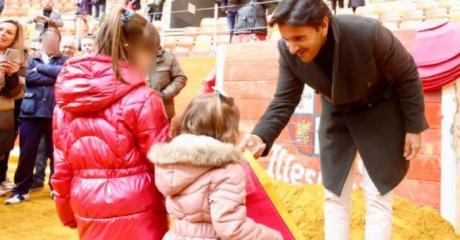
(105, 121)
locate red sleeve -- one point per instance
(63, 174)
(152, 124)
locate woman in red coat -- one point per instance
(105, 121)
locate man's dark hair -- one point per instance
(300, 13)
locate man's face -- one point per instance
(88, 46)
(304, 41)
(50, 43)
(47, 4)
(69, 49)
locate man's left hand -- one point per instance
(413, 145)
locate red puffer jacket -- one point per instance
(103, 130)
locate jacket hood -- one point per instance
(87, 84)
(187, 158)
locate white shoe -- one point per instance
(17, 198)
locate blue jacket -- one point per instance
(39, 99)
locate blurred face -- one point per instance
(69, 49)
(50, 43)
(305, 41)
(47, 4)
(87, 46)
(143, 60)
(8, 33)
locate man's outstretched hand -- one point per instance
(412, 146)
(253, 143)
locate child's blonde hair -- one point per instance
(211, 115)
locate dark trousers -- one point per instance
(6, 155)
(334, 4)
(98, 10)
(231, 16)
(30, 132)
(41, 162)
(4, 167)
(6, 144)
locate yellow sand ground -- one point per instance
(305, 206)
(33, 220)
(37, 219)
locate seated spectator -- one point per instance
(88, 45)
(168, 79)
(11, 88)
(69, 47)
(36, 112)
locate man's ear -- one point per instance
(325, 25)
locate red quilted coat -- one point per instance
(103, 130)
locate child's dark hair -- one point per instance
(123, 31)
(211, 115)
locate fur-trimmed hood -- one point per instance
(188, 157)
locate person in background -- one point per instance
(135, 5)
(168, 79)
(36, 112)
(337, 3)
(2, 6)
(155, 9)
(354, 4)
(201, 176)
(47, 18)
(251, 20)
(88, 45)
(83, 13)
(11, 88)
(69, 47)
(99, 7)
(230, 10)
(103, 130)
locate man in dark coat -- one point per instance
(372, 103)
